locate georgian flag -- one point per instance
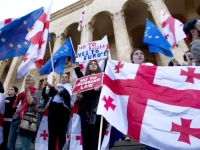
(2, 109)
(42, 137)
(157, 106)
(172, 29)
(81, 19)
(38, 37)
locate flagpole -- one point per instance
(51, 57)
(72, 46)
(100, 133)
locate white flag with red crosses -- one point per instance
(172, 29)
(153, 102)
(38, 37)
(42, 137)
(81, 19)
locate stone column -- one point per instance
(121, 37)
(10, 73)
(3, 64)
(155, 6)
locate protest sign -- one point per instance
(88, 82)
(92, 50)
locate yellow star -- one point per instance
(24, 22)
(19, 46)
(29, 29)
(3, 40)
(25, 43)
(11, 45)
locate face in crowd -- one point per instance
(138, 57)
(11, 91)
(93, 66)
(30, 81)
(196, 31)
(64, 79)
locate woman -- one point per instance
(2, 108)
(138, 57)
(90, 121)
(174, 62)
(9, 111)
(29, 99)
(59, 112)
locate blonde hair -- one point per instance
(33, 77)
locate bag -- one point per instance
(29, 122)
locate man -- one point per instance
(192, 30)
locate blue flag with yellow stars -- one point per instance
(12, 35)
(59, 59)
(155, 40)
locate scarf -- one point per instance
(67, 87)
(24, 105)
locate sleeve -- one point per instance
(78, 72)
(52, 92)
(65, 94)
(36, 97)
(44, 92)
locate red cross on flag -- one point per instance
(41, 142)
(81, 19)
(172, 29)
(157, 106)
(38, 36)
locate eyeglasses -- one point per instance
(93, 63)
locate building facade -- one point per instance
(123, 21)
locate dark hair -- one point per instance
(132, 53)
(171, 63)
(88, 72)
(15, 88)
(1, 87)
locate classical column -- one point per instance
(90, 31)
(121, 37)
(3, 64)
(155, 7)
(10, 73)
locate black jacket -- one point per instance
(64, 94)
(9, 111)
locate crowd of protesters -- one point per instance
(22, 106)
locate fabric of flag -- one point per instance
(2, 109)
(172, 29)
(38, 37)
(6, 21)
(155, 40)
(42, 137)
(81, 19)
(157, 106)
(13, 33)
(59, 59)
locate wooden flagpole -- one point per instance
(51, 57)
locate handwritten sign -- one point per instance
(92, 50)
(88, 82)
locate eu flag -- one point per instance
(59, 59)
(12, 36)
(155, 40)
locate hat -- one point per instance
(189, 26)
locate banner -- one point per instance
(92, 50)
(88, 82)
